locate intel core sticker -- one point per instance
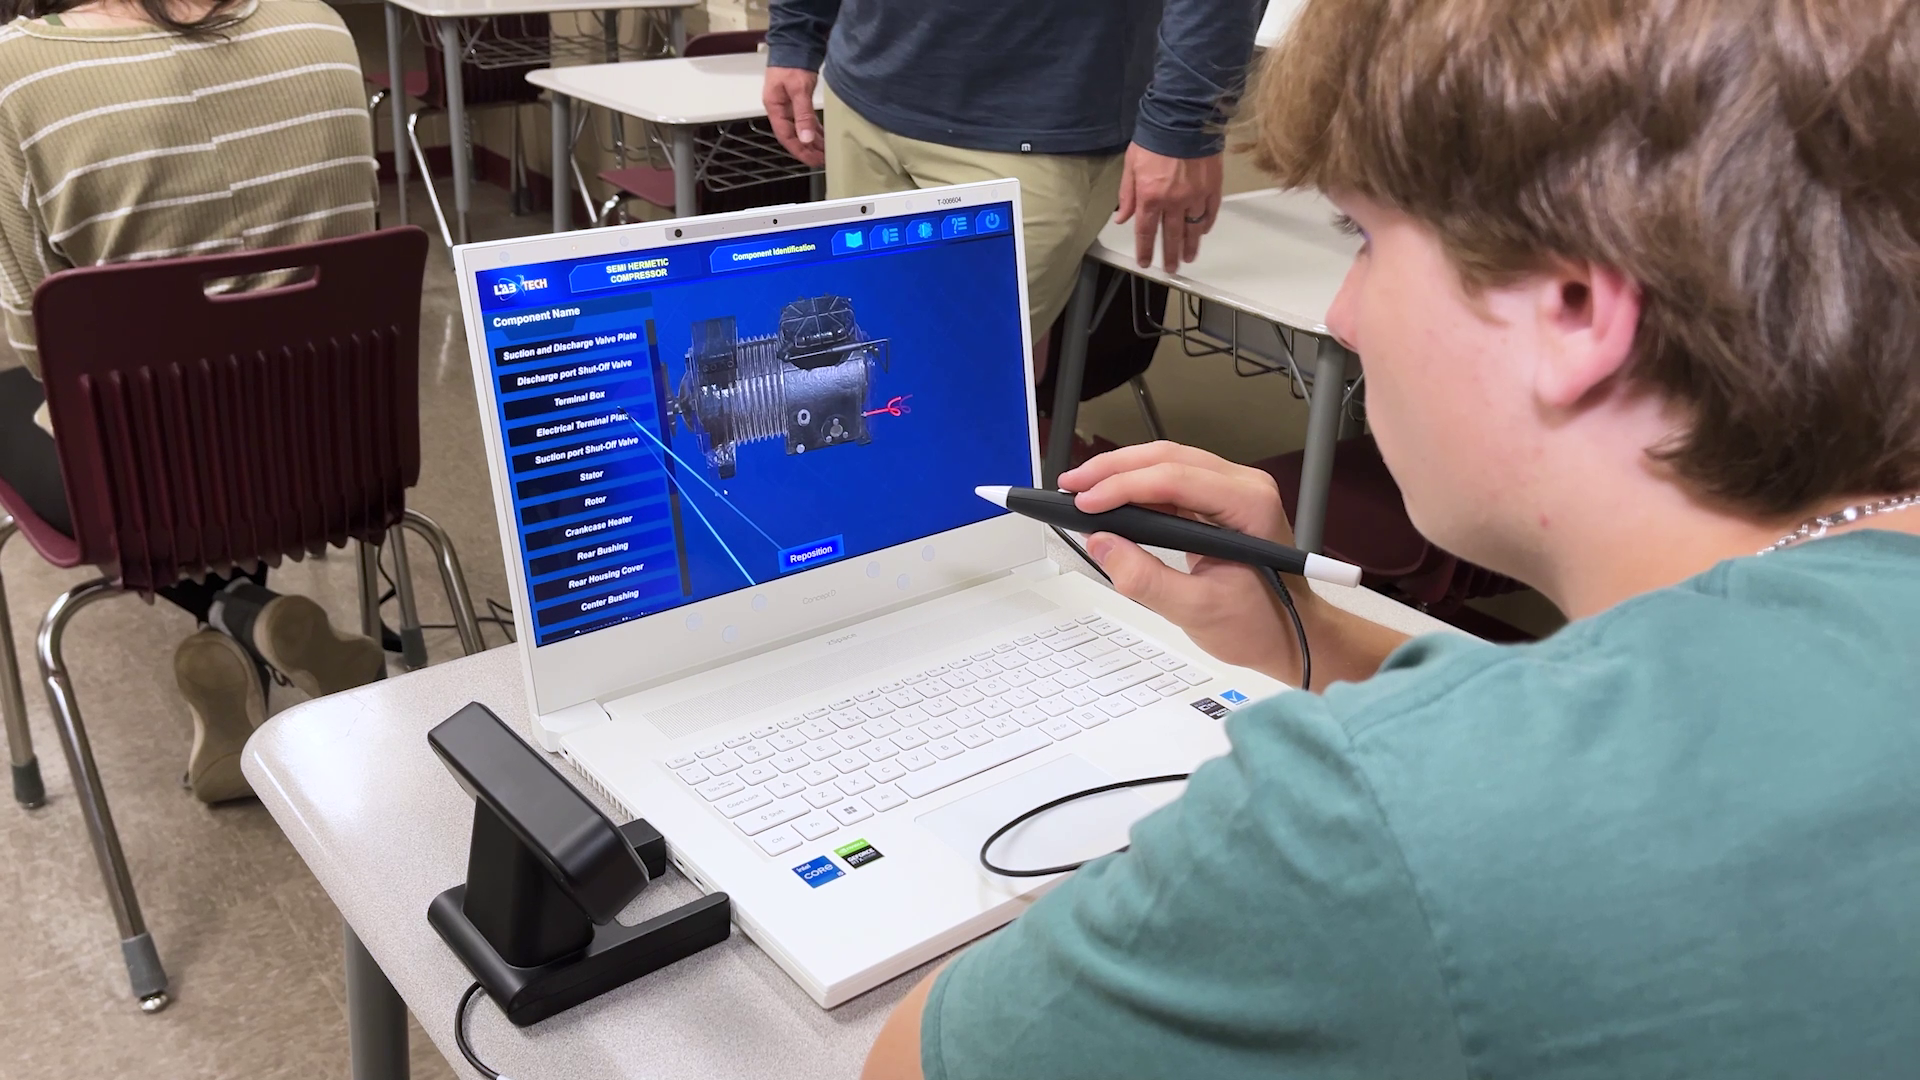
(1212, 708)
(818, 872)
(859, 853)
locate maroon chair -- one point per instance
(1367, 525)
(201, 431)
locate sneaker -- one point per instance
(222, 689)
(294, 635)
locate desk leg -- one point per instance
(684, 198)
(1323, 433)
(562, 158)
(677, 31)
(376, 1017)
(397, 105)
(457, 126)
(1070, 370)
(616, 123)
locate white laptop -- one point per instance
(759, 603)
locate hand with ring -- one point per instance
(1175, 199)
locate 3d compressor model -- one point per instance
(808, 384)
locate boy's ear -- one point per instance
(1588, 315)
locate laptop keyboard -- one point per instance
(808, 776)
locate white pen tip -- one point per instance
(995, 494)
(1332, 570)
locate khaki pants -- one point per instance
(1064, 199)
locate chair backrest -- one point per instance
(723, 42)
(198, 431)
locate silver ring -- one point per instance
(1196, 220)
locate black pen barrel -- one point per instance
(1156, 529)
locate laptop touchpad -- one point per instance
(1084, 829)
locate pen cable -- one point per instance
(1279, 587)
(460, 1035)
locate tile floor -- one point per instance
(248, 938)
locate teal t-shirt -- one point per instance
(1678, 839)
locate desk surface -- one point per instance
(700, 90)
(480, 9)
(383, 826)
(1274, 254)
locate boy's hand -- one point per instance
(1223, 606)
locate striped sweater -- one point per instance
(124, 143)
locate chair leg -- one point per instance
(413, 641)
(1149, 412)
(616, 202)
(586, 197)
(148, 978)
(596, 215)
(373, 111)
(519, 192)
(373, 117)
(458, 598)
(369, 567)
(28, 791)
(426, 176)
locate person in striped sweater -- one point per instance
(156, 129)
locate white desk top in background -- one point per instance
(481, 9)
(383, 826)
(701, 90)
(1274, 254)
(1274, 24)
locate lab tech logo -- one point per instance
(514, 286)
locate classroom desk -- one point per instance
(450, 13)
(384, 828)
(1265, 278)
(680, 95)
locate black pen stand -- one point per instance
(546, 874)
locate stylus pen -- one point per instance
(1144, 526)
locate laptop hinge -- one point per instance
(554, 726)
(1039, 569)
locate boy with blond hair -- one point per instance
(1639, 309)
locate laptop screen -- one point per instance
(683, 422)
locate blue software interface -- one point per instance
(684, 422)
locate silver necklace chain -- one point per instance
(1815, 528)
